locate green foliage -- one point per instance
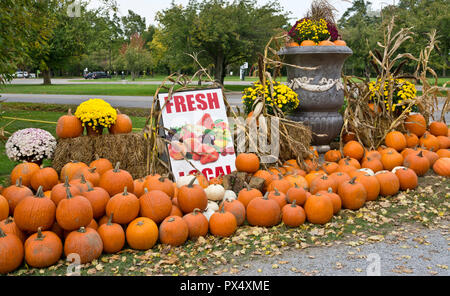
(15, 24)
(362, 29)
(223, 32)
(134, 57)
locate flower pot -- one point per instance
(94, 133)
(320, 91)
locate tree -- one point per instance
(133, 23)
(361, 31)
(134, 57)
(16, 23)
(223, 32)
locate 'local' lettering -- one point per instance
(190, 103)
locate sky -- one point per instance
(298, 8)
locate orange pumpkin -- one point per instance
(98, 198)
(418, 163)
(123, 124)
(430, 155)
(297, 180)
(69, 169)
(372, 163)
(395, 140)
(308, 43)
(45, 177)
(11, 253)
(86, 242)
(340, 43)
(354, 150)
(444, 142)
(247, 194)
(430, 142)
(112, 235)
(34, 212)
(222, 223)
(323, 183)
(160, 183)
(59, 191)
(333, 155)
(262, 211)
(25, 171)
(264, 175)
(125, 207)
(351, 161)
(192, 196)
(102, 165)
(330, 167)
(156, 205)
(293, 215)
(173, 231)
(15, 194)
(115, 180)
(411, 140)
(292, 44)
(43, 249)
(340, 177)
(247, 162)
(407, 178)
(197, 224)
(281, 184)
(318, 209)
(371, 184)
(335, 199)
(442, 167)
(389, 183)
(142, 233)
(297, 194)
(69, 126)
(74, 212)
(353, 194)
(279, 197)
(391, 160)
(443, 153)
(416, 124)
(235, 207)
(438, 128)
(326, 43)
(4, 208)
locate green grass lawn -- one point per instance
(26, 111)
(92, 89)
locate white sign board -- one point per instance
(199, 132)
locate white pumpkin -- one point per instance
(185, 180)
(215, 192)
(208, 213)
(366, 170)
(230, 195)
(212, 205)
(398, 168)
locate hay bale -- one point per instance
(296, 142)
(128, 149)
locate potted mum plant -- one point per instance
(315, 74)
(96, 115)
(30, 145)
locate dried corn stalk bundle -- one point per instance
(371, 119)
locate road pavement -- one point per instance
(234, 98)
(409, 250)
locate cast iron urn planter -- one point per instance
(320, 91)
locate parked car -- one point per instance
(97, 75)
(19, 74)
(88, 75)
(32, 75)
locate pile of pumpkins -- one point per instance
(338, 42)
(97, 208)
(69, 126)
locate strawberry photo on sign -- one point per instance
(199, 132)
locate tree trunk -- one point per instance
(46, 76)
(219, 65)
